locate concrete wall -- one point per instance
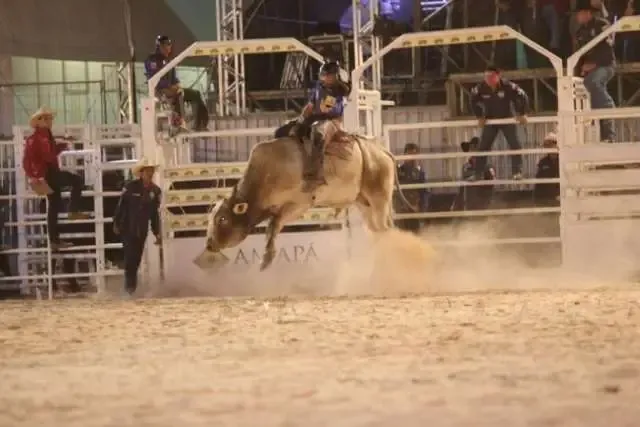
(198, 15)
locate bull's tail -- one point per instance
(390, 224)
(397, 182)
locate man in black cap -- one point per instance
(494, 99)
(169, 85)
(597, 65)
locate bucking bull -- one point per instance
(271, 189)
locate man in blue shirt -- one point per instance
(326, 102)
(169, 85)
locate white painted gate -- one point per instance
(88, 156)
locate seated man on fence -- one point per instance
(42, 168)
(139, 207)
(169, 85)
(548, 167)
(473, 197)
(597, 66)
(411, 172)
(326, 102)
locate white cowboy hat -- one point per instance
(42, 111)
(552, 137)
(143, 163)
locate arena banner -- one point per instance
(301, 257)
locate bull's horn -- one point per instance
(240, 208)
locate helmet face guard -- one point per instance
(330, 67)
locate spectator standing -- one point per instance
(494, 98)
(597, 65)
(42, 168)
(138, 208)
(548, 167)
(410, 172)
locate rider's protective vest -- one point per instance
(332, 98)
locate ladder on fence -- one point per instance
(92, 156)
(293, 74)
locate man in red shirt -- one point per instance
(41, 166)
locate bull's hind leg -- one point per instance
(367, 214)
(376, 214)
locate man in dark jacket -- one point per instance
(169, 85)
(548, 167)
(139, 207)
(596, 66)
(494, 99)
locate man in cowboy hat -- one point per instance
(139, 207)
(596, 67)
(42, 168)
(548, 167)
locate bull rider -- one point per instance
(42, 168)
(170, 87)
(138, 208)
(326, 102)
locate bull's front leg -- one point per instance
(274, 227)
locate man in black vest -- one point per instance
(597, 65)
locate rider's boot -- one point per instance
(314, 173)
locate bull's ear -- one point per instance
(240, 208)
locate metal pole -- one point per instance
(416, 64)
(131, 72)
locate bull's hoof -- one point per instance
(267, 260)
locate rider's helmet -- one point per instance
(164, 45)
(162, 40)
(329, 72)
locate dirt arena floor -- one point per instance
(478, 359)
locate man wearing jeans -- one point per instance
(494, 99)
(596, 66)
(40, 164)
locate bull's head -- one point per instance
(228, 225)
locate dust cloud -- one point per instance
(441, 260)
